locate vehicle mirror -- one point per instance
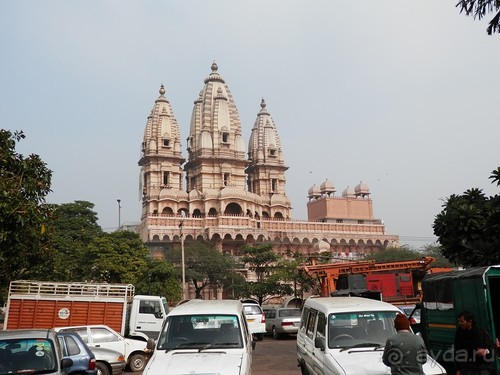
(150, 344)
(158, 315)
(319, 342)
(66, 362)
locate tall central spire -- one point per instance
(215, 143)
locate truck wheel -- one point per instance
(137, 362)
(102, 368)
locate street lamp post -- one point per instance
(119, 212)
(183, 261)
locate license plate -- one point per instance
(250, 320)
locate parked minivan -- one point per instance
(347, 335)
(203, 337)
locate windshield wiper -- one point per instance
(363, 345)
(191, 345)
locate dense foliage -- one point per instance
(205, 266)
(468, 227)
(24, 184)
(479, 9)
(266, 264)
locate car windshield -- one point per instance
(28, 356)
(200, 332)
(347, 330)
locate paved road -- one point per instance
(277, 357)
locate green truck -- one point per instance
(447, 294)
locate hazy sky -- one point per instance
(400, 95)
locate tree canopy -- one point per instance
(479, 9)
(205, 266)
(24, 184)
(266, 265)
(468, 227)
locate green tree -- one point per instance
(24, 184)
(468, 227)
(392, 254)
(436, 251)
(265, 263)
(73, 227)
(479, 9)
(205, 266)
(117, 257)
(160, 279)
(290, 272)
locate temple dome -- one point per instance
(195, 195)
(233, 192)
(278, 199)
(314, 191)
(362, 189)
(327, 187)
(348, 192)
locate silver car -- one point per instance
(282, 320)
(108, 362)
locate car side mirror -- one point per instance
(150, 345)
(319, 342)
(66, 362)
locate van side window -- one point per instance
(321, 330)
(303, 319)
(311, 320)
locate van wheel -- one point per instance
(303, 368)
(102, 369)
(276, 335)
(137, 362)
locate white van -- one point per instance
(203, 337)
(347, 335)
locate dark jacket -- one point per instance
(465, 350)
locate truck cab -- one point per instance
(147, 314)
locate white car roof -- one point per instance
(198, 306)
(348, 304)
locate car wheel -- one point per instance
(303, 368)
(276, 335)
(137, 362)
(259, 336)
(102, 368)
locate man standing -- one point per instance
(404, 352)
(473, 347)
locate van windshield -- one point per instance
(200, 332)
(360, 328)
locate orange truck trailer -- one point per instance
(45, 304)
